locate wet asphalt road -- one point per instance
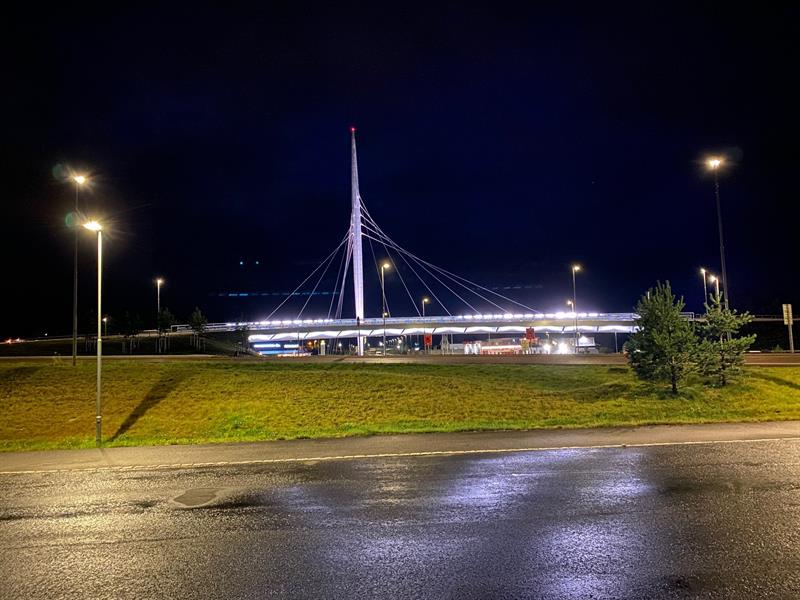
(684, 521)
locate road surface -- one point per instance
(696, 520)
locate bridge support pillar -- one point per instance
(355, 239)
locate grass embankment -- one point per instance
(166, 402)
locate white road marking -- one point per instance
(269, 461)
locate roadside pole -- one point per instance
(788, 320)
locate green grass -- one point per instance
(50, 405)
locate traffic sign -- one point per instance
(788, 321)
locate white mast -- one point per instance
(355, 240)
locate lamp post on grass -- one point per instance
(715, 280)
(98, 228)
(384, 266)
(575, 269)
(424, 302)
(714, 164)
(159, 283)
(703, 274)
(79, 180)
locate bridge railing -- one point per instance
(496, 318)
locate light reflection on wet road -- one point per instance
(716, 521)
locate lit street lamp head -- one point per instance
(425, 300)
(93, 226)
(159, 281)
(576, 268)
(714, 163)
(385, 265)
(79, 179)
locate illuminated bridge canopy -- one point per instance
(315, 329)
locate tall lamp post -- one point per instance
(384, 266)
(97, 227)
(79, 181)
(159, 283)
(715, 280)
(424, 302)
(703, 274)
(575, 269)
(714, 163)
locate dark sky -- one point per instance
(499, 144)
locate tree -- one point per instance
(130, 326)
(165, 320)
(662, 348)
(198, 321)
(242, 329)
(720, 354)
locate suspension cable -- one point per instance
(336, 283)
(302, 283)
(448, 274)
(322, 275)
(425, 283)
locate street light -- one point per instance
(575, 269)
(424, 302)
(715, 280)
(384, 266)
(159, 283)
(703, 273)
(714, 163)
(98, 228)
(79, 180)
(105, 326)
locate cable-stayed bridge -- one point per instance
(481, 310)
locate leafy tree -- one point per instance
(165, 320)
(243, 333)
(198, 321)
(662, 348)
(720, 354)
(130, 326)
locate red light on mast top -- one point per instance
(352, 129)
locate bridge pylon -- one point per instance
(354, 245)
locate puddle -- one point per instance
(197, 497)
(218, 498)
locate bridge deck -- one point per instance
(499, 324)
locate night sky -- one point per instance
(501, 145)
